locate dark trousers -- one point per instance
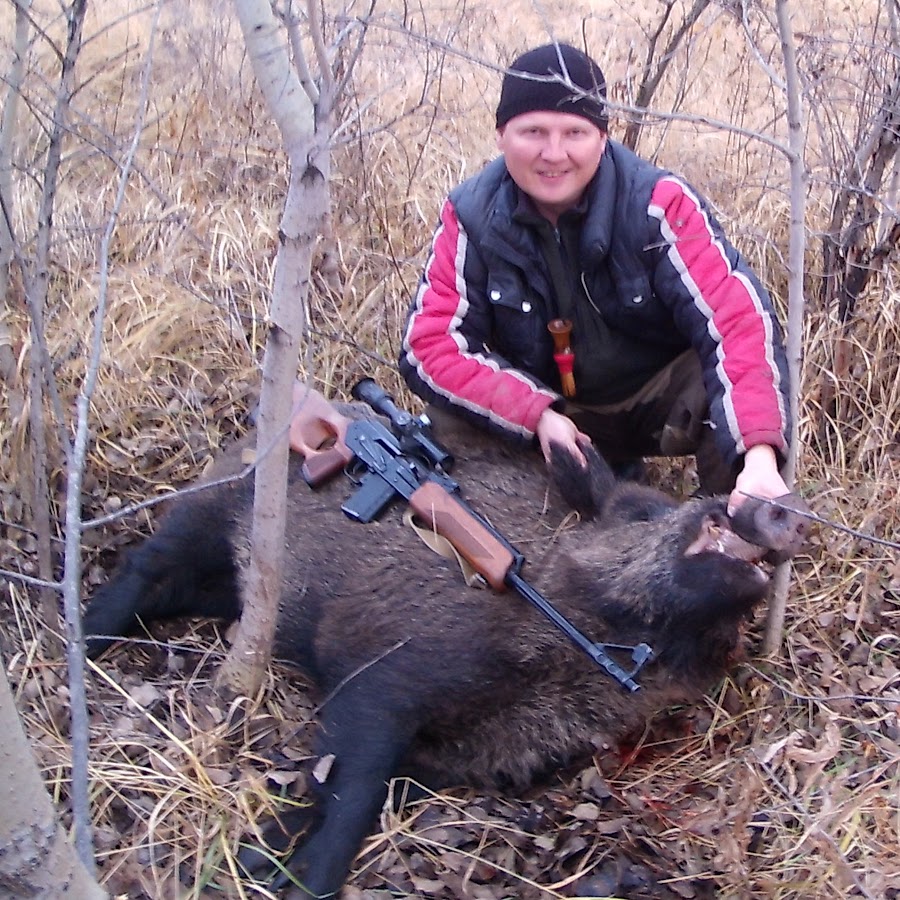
(668, 416)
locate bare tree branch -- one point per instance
(655, 69)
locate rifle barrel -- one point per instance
(596, 651)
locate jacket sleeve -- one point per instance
(717, 301)
(446, 358)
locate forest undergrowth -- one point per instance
(784, 783)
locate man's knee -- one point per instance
(685, 399)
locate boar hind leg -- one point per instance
(186, 569)
(364, 741)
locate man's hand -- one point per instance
(759, 477)
(555, 428)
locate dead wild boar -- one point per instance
(449, 685)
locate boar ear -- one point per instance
(586, 490)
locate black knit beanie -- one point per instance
(578, 88)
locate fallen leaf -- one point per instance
(322, 768)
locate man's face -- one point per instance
(551, 156)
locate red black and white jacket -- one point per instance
(656, 267)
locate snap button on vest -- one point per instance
(495, 295)
(638, 299)
(526, 307)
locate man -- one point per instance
(674, 346)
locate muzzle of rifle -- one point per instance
(561, 330)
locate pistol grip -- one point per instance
(320, 465)
(449, 518)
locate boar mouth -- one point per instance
(714, 537)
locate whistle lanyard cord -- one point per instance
(552, 249)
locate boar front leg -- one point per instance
(186, 569)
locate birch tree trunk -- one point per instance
(36, 859)
(304, 131)
(796, 303)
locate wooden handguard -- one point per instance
(450, 518)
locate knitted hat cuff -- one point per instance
(575, 86)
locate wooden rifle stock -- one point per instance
(320, 465)
(317, 431)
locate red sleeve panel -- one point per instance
(731, 324)
(445, 344)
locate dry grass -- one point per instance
(784, 785)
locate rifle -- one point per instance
(406, 461)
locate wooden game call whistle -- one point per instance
(565, 358)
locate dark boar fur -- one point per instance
(450, 685)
